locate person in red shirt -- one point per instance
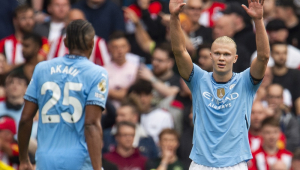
(211, 11)
(269, 153)
(11, 46)
(125, 156)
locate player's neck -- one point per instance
(125, 152)
(222, 78)
(270, 150)
(279, 71)
(79, 53)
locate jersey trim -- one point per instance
(94, 102)
(31, 99)
(254, 79)
(191, 75)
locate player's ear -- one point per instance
(235, 58)
(66, 42)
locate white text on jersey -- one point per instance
(66, 70)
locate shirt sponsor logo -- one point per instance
(220, 104)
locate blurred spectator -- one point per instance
(286, 10)
(105, 16)
(296, 160)
(11, 46)
(278, 32)
(224, 26)
(7, 7)
(203, 58)
(243, 29)
(288, 124)
(164, 81)
(108, 165)
(31, 45)
(148, 11)
(2, 76)
(199, 34)
(99, 54)
(121, 72)
(153, 120)
(186, 141)
(284, 75)
(179, 107)
(254, 135)
(52, 29)
(279, 165)
(168, 143)
(210, 12)
(15, 88)
(9, 151)
(269, 10)
(144, 143)
(269, 153)
(125, 156)
(108, 118)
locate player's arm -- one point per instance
(182, 57)
(259, 65)
(93, 134)
(24, 132)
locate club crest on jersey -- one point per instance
(102, 86)
(221, 92)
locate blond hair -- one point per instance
(225, 40)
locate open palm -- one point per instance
(175, 6)
(255, 9)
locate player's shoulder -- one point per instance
(95, 68)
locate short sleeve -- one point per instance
(31, 93)
(248, 81)
(195, 75)
(99, 90)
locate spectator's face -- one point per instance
(275, 96)
(161, 62)
(223, 56)
(59, 9)
(118, 49)
(269, 6)
(257, 115)
(2, 63)
(15, 87)
(193, 10)
(279, 54)
(223, 27)
(30, 49)
(270, 135)
(145, 101)
(75, 14)
(25, 21)
(125, 113)
(6, 136)
(278, 35)
(125, 137)
(296, 164)
(205, 61)
(169, 142)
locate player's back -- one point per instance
(64, 86)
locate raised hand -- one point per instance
(175, 6)
(255, 9)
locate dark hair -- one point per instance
(168, 131)
(270, 121)
(116, 35)
(201, 47)
(296, 155)
(16, 74)
(141, 87)
(130, 103)
(275, 25)
(35, 37)
(167, 48)
(21, 8)
(120, 124)
(76, 32)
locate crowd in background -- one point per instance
(148, 120)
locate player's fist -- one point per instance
(25, 166)
(175, 6)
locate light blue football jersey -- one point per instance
(62, 87)
(221, 114)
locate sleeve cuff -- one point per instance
(191, 75)
(31, 99)
(94, 102)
